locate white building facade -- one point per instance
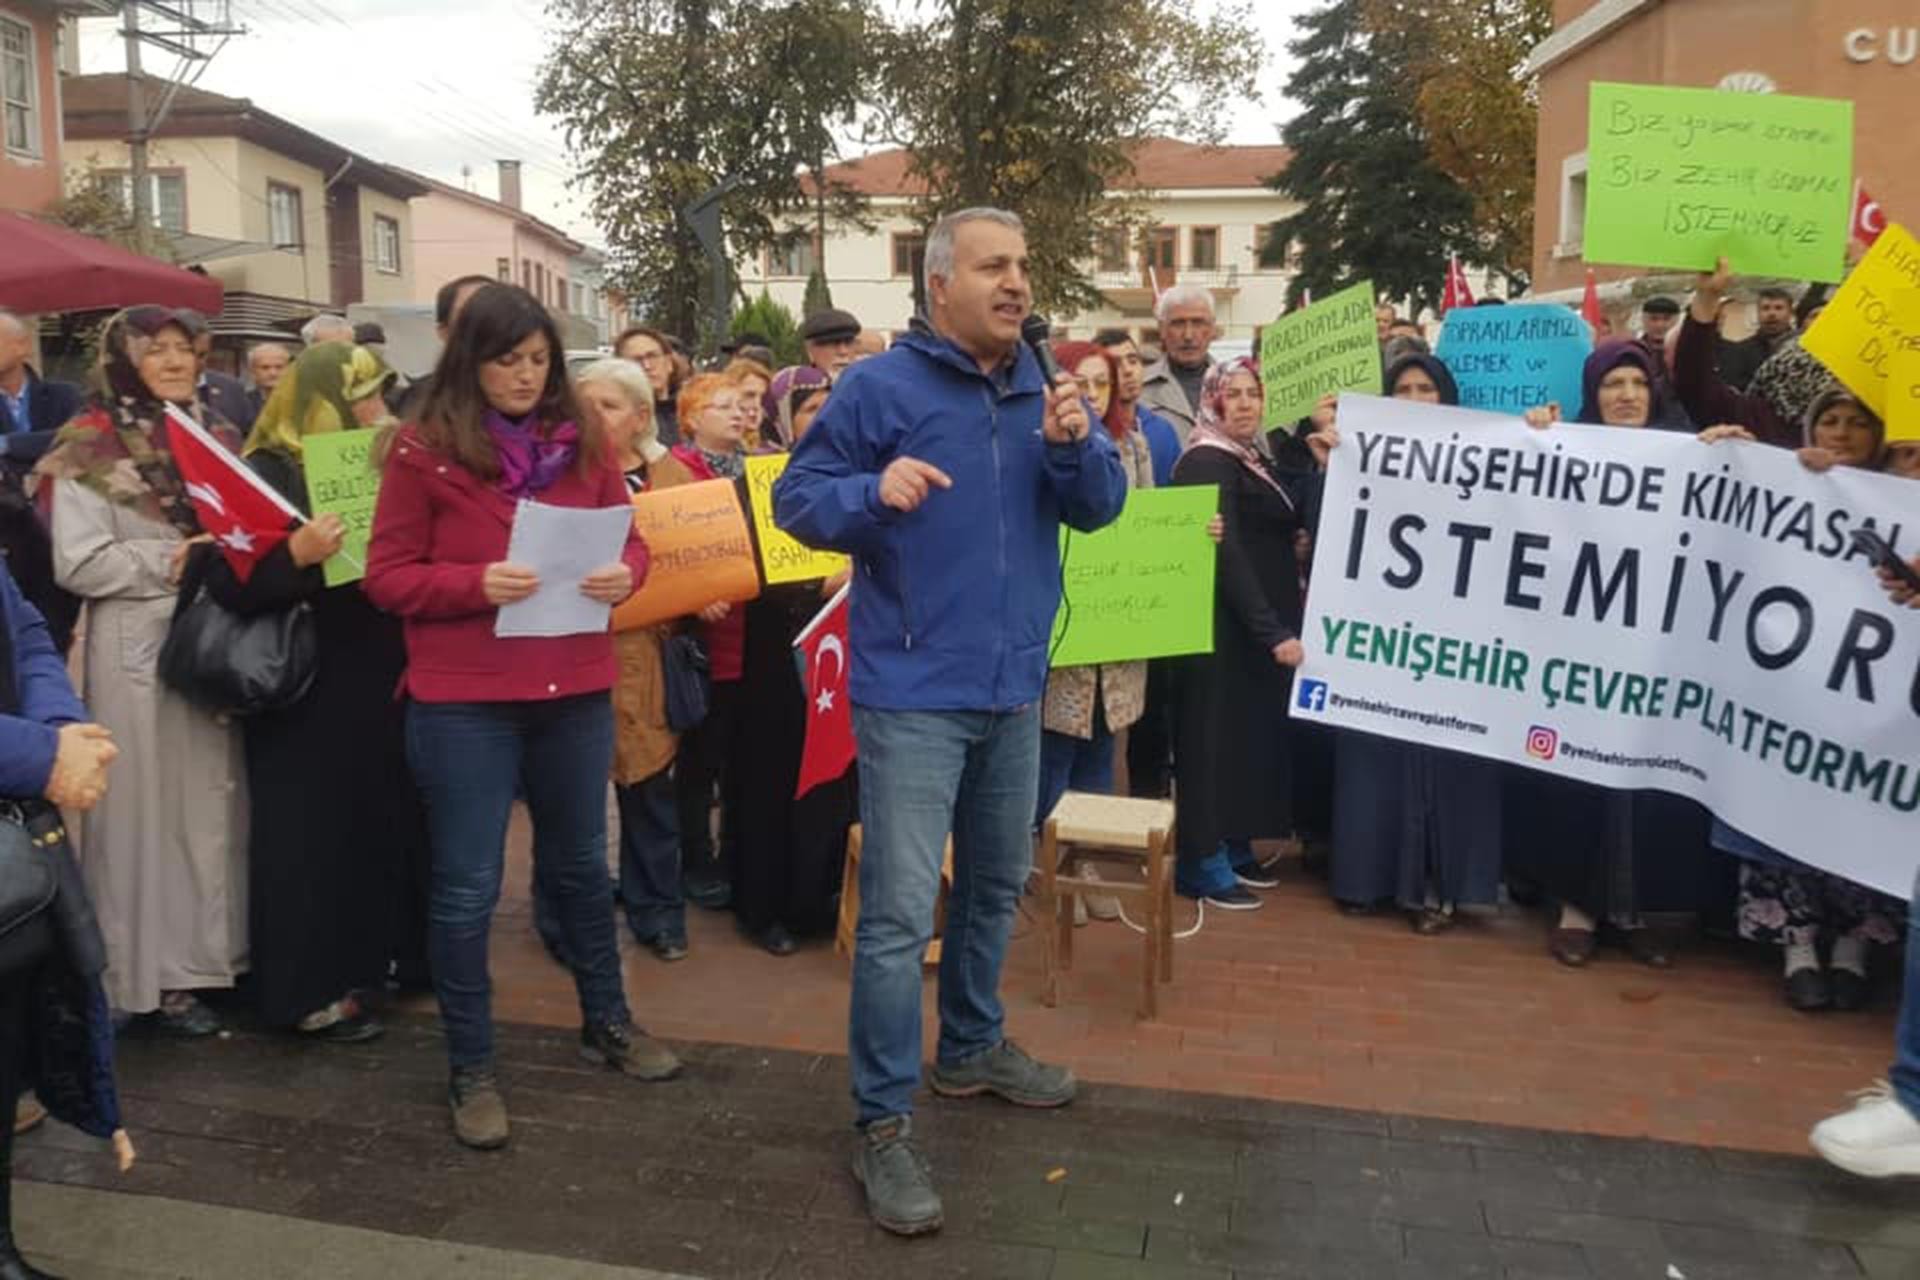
(1209, 210)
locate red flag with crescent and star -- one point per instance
(822, 650)
(1869, 220)
(241, 511)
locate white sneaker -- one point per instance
(1101, 906)
(1879, 1138)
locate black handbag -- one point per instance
(29, 881)
(683, 665)
(240, 664)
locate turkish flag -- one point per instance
(243, 512)
(1869, 219)
(1590, 307)
(822, 651)
(1456, 293)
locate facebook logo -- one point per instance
(1312, 695)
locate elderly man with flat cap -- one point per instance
(833, 340)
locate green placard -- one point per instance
(1329, 346)
(1679, 177)
(341, 481)
(1143, 586)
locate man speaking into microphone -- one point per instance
(945, 466)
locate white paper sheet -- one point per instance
(563, 545)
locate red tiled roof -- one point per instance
(1160, 164)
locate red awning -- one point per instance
(47, 268)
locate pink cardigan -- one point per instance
(436, 529)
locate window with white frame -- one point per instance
(19, 88)
(285, 227)
(1573, 206)
(166, 195)
(386, 244)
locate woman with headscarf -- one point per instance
(1607, 856)
(619, 395)
(1085, 707)
(1784, 902)
(165, 853)
(337, 833)
(1414, 825)
(788, 853)
(1231, 758)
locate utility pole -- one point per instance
(183, 39)
(137, 129)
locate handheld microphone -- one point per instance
(1037, 332)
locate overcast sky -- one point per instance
(445, 87)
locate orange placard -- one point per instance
(698, 552)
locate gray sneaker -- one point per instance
(628, 1050)
(1007, 1072)
(899, 1182)
(479, 1113)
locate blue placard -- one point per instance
(1516, 357)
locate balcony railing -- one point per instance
(1210, 278)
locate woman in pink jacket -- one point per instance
(490, 715)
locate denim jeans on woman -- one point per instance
(1906, 1036)
(923, 774)
(468, 759)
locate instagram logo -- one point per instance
(1312, 695)
(1543, 743)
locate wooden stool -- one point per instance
(849, 921)
(1138, 834)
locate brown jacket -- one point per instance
(642, 743)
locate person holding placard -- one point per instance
(336, 826)
(788, 851)
(1084, 707)
(1232, 762)
(1610, 857)
(488, 716)
(713, 421)
(1412, 824)
(619, 394)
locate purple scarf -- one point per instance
(530, 462)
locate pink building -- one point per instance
(460, 233)
(30, 108)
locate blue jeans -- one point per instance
(1906, 1037)
(923, 774)
(650, 857)
(1068, 764)
(468, 758)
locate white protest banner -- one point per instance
(1630, 608)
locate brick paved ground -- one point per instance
(1299, 1003)
(740, 1170)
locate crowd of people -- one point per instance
(354, 841)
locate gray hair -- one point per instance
(632, 381)
(1183, 295)
(11, 319)
(939, 261)
(326, 328)
(258, 347)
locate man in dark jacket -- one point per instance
(945, 467)
(32, 411)
(1739, 361)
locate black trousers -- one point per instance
(1150, 739)
(705, 761)
(13, 1056)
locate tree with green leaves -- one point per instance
(1479, 107)
(663, 99)
(1037, 105)
(774, 322)
(1373, 204)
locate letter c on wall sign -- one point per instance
(1860, 43)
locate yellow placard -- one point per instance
(1876, 312)
(1903, 394)
(698, 553)
(782, 557)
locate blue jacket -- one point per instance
(1163, 444)
(953, 603)
(43, 694)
